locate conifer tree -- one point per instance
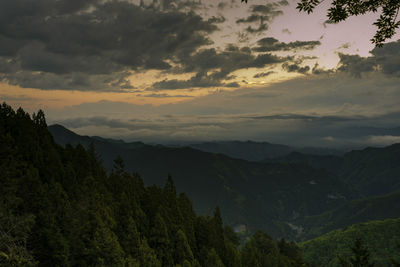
(218, 236)
(395, 262)
(360, 258)
(147, 256)
(213, 260)
(159, 239)
(128, 236)
(261, 251)
(182, 250)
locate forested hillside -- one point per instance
(353, 212)
(380, 238)
(369, 172)
(59, 207)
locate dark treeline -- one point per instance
(59, 207)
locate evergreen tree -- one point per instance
(189, 215)
(159, 239)
(119, 166)
(292, 252)
(360, 258)
(260, 251)
(213, 260)
(232, 256)
(182, 249)
(128, 236)
(147, 256)
(395, 263)
(218, 238)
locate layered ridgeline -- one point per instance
(59, 207)
(251, 195)
(258, 151)
(369, 172)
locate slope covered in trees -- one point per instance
(59, 207)
(353, 212)
(379, 237)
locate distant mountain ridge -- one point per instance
(258, 151)
(259, 195)
(247, 150)
(65, 136)
(370, 171)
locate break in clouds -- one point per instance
(353, 106)
(333, 110)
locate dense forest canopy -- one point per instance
(59, 207)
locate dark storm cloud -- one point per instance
(261, 28)
(262, 15)
(222, 5)
(253, 18)
(269, 9)
(219, 19)
(169, 123)
(263, 74)
(283, 3)
(295, 68)
(163, 95)
(212, 67)
(317, 70)
(388, 57)
(271, 44)
(307, 118)
(20, 98)
(355, 64)
(199, 80)
(90, 44)
(229, 60)
(384, 59)
(98, 120)
(71, 81)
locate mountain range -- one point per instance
(294, 195)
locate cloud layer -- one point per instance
(335, 109)
(92, 44)
(96, 45)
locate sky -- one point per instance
(200, 70)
